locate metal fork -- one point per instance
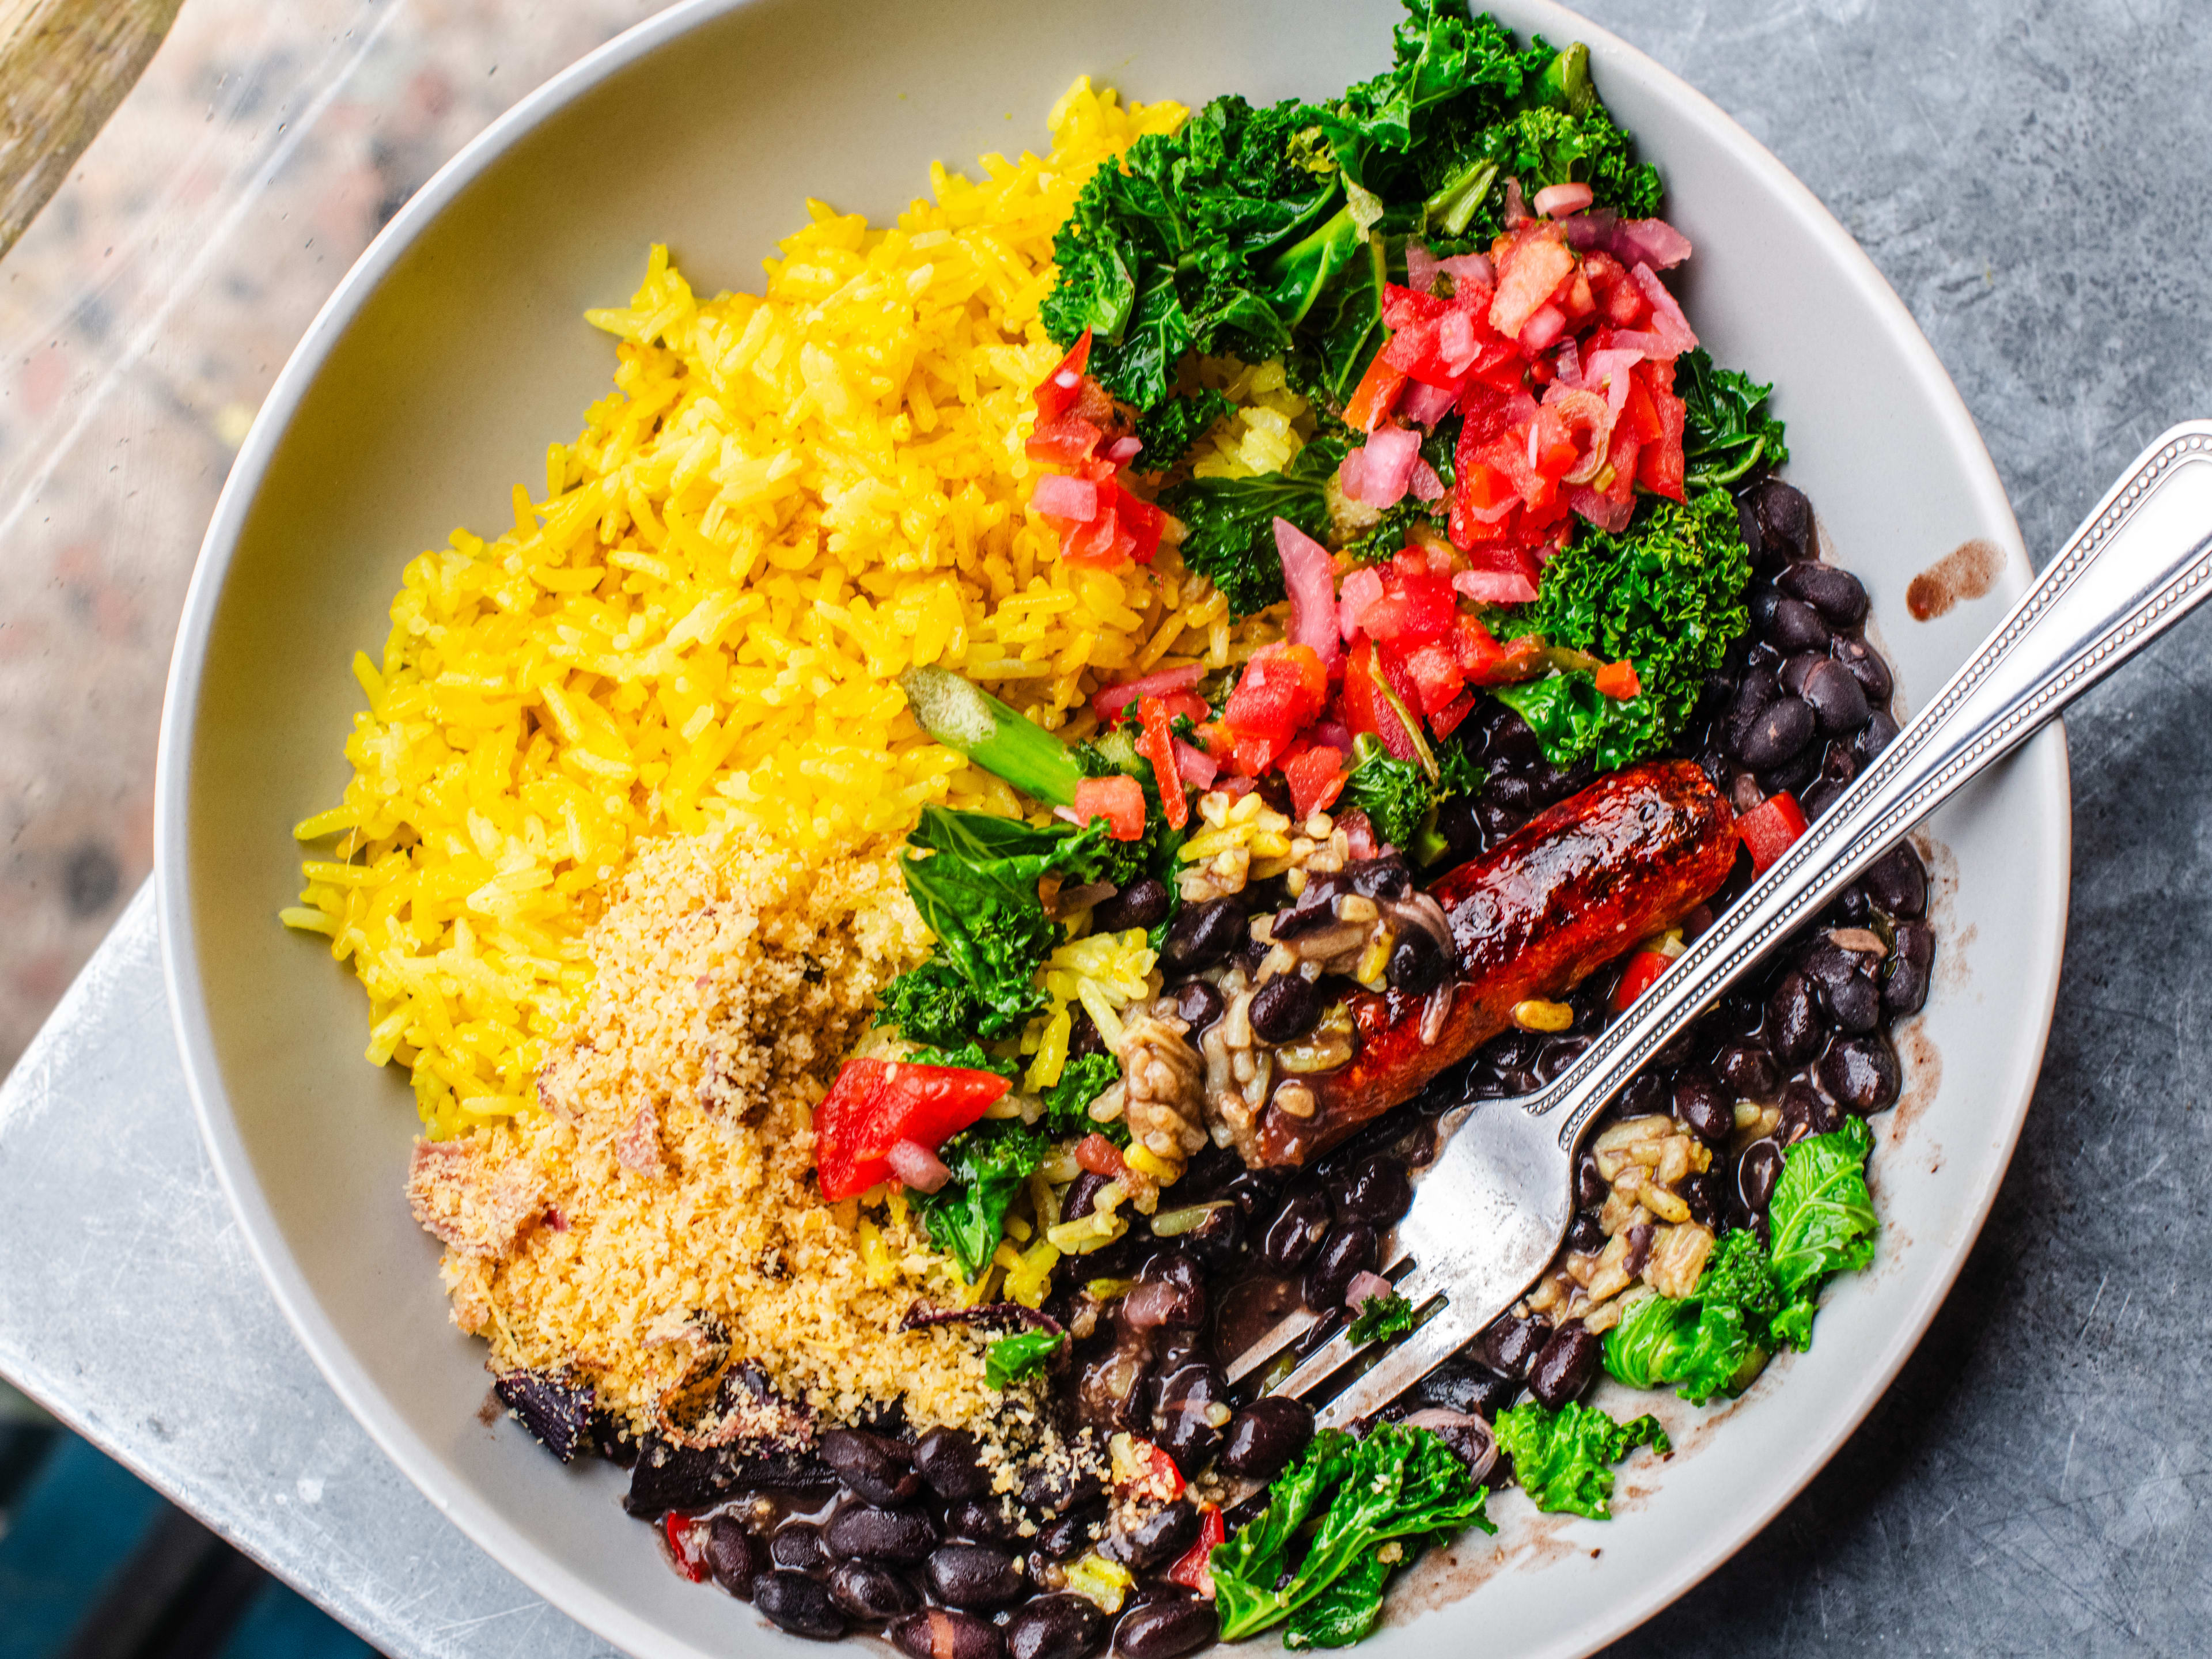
(1489, 1211)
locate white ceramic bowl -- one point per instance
(455, 350)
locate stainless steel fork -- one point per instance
(1490, 1211)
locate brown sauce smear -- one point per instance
(1966, 572)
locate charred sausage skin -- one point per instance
(1584, 881)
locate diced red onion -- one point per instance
(1667, 321)
(1351, 475)
(1425, 405)
(1558, 201)
(1122, 451)
(1113, 699)
(1494, 587)
(1653, 242)
(1194, 766)
(1567, 364)
(1361, 589)
(1433, 1014)
(1363, 1285)
(1237, 786)
(1150, 1304)
(1579, 408)
(1544, 324)
(1463, 268)
(1455, 343)
(1059, 496)
(1331, 734)
(1601, 509)
(1421, 268)
(1309, 577)
(916, 1166)
(1424, 484)
(1390, 454)
(1516, 211)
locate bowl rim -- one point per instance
(480, 1521)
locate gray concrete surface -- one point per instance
(2035, 182)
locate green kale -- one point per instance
(1381, 1316)
(1668, 594)
(1153, 852)
(1345, 1612)
(1082, 1080)
(1727, 433)
(1563, 1459)
(1169, 430)
(970, 1057)
(1713, 1342)
(1395, 794)
(1821, 1222)
(1011, 1358)
(1229, 524)
(932, 1005)
(966, 1218)
(1398, 1485)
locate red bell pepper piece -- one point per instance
(1057, 392)
(1279, 695)
(1643, 968)
(1119, 799)
(1375, 395)
(1770, 829)
(1659, 463)
(874, 1104)
(1100, 1156)
(1156, 745)
(1618, 679)
(1448, 718)
(1064, 440)
(1194, 1570)
(686, 1545)
(1317, 779)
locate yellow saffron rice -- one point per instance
(697, 616)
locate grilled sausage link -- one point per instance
(1628, 857)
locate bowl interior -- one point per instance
(456, 351)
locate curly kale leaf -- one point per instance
(1668, 594)
(1025, 1354)
(1229, 524)
(1382, 1316)
(1397, 1486)
(968, 1056)
(1713, 1342)
(1821, 1222)
(967, 1216)
(1068, 1102)
(1728, 434)
(1395, 794)
(1563, 1459)
(1153, 852)
(1168, 431)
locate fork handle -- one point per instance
(2140, 562)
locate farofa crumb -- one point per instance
(675, 1160)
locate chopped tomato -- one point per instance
(1416, 606)
(1433, 667)
(1618, 679)
(1186, 705)
(1280, 692)
(1447, 721)
(1770, 829)
(874, 1104)
(1317, 779)
(1484, 661)
(1643, 967)
(1101, 544)
(1375, 395)
(1194, 1570)
(1532, 264)
(687, 1542)
(1119, 800)
(1143, 521)
(1058, 391)
(1365, 707)
(1659, 463)
(1064, 440)
(1401, 305)
(1100, 1156)
(1639, 417)
(1157, 746)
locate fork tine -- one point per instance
(1402, 1366)
(1418, 1287)
(1270, 1344)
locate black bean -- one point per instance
(1203, 934)
(974, 1575)
(1082, 1193)
(1795, 670)
(1065, 1538)
(1217, 1237)
(1756, 1172)
(1861, 1072)
(875, 1466)
(1897, 882)
(1166, 1629)
(864, 1591)
(1555, 783)
(1510, 744)
(1760, 599)
(1876, 735)
(1584, 1233)
(1912, 963)
(1156, 1540)
(1794, 1027)
(1700, 1104)
(1510, 1345)
(1384, 878)
(862, 1530)
(1109, 1388)
(1377, 1192)
(797, 1547)
(1198, 1005)
(1779, 732)
(1459, 827)
(1701, 1192)
(1056, 1627)
(1591, 1186)
(1789, 778)
(1797, 627)
(1266, 1435)
(1185, 1402)
(982, 1519)
(734, 1556)
(1565, 1366)
(1758, 688)
(948, 1461)
(947, 1633)
(1418, 964)
(1285, 1008)
(1747, 1068)
(1346, 1253)
(1639, 1241)
(1836, 594)
(1514, 793)
(1785, 517)
(1181, 1306)
(1747, 518)
(1866, 666)
(1460, 1385)
(1142, 903)
(1847, 988)
(1054, 1489)
(1837, 699)
(1296, 1229)
(1807, 1111)
(796, 1603)
(1818, 796)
